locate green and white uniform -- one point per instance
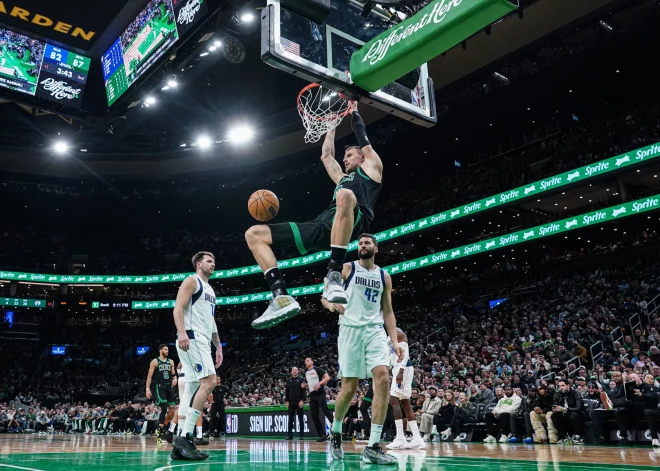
(362, 338)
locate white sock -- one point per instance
(399, 429)
(199, 431)
(191, 420)
(172, 426)
(414, 429)
(376, 432)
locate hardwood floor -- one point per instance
(104, 453)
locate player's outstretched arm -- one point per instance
(372, 162)
(388, 316)
(328, 158)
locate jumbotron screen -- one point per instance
(31, 66)
(152, 33)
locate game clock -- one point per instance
(63, 76)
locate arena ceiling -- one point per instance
(218, 93)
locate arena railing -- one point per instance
(590, 219)
(516, 195)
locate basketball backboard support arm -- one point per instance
(291, 60)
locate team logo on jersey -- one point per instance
(198, 368)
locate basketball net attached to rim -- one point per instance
(321, 110)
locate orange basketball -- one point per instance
(263, 205)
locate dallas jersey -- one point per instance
(365, 291)
(199, 313)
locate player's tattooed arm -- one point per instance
(215, 339)
(328, 158)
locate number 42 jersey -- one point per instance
(365, 290)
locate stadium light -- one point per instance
(204, 142)
(150, 100)
(204, 54)
(212, 48)
(217, 43)
(241, 134)
(247, 17)
(172, 83)
(61, 147)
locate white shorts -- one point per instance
(197, 362)
(402, 390)
(361, 349)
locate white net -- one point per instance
(321, 110)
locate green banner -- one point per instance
(547, 185)
(433, 30)
(17, 302)
(593, 218)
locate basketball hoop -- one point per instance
(321, 110)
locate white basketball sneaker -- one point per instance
(416, 443)
(280, 308)
(399, 443)
(334, 289)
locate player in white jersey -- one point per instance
(363, 349)
(194, 317)
(400, 392)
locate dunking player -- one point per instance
(349, 212)
(194, 317)
(362, 344)
(160, 381)
(400, 392)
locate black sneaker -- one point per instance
(200, 441)
(335, 446)
(168, 437)
(374, 454)
(324, 438)
(183, 448)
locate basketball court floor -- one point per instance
(102, 453)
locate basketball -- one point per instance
(263, 205)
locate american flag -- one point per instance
(290, 46)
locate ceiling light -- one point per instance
(247, 17)
(172, 83)
(241, 134)
(166, 87)
(204, 142)
(204, 54)
(150, 100)
(212, 48)
(61, 147)
(217, 43)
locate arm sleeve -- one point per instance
(360, 130)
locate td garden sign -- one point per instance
(432, 31)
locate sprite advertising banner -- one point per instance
(547, 185)
(433, 30)
(593, 218)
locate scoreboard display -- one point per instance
(147, 38)
(39, 69)
(63, 76)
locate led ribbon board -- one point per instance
(582, 221)
(17, 302)
(634, 157)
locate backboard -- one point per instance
(322, 54)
